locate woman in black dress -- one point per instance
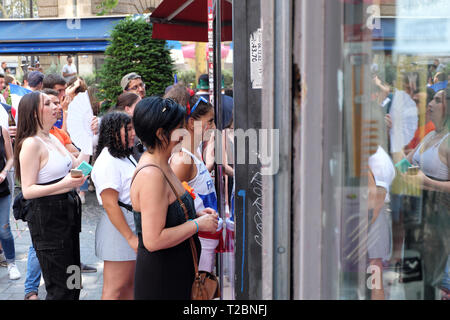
(164, 265)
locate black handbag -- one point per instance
(21, 208)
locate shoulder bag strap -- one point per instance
(183, 206)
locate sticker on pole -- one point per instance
(256, 59)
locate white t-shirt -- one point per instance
(4, 116)
(113, 173)
(383, 170)
(69, 69)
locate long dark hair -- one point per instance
(27, 124)
(109, 136)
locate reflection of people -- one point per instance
(380, 177)
(433, 158)
(440, 82)
(164, 265)
(406, 203)
(403, 118)
(115, 239)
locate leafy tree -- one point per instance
(132, 49)
(16, 9)
(107, 6)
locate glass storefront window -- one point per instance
(395, 215)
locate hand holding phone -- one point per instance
(413, 170)
(75, 173)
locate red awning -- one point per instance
(187, 20)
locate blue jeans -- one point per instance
(33, 272)
(85, 186)
(446, 281)
(6, 236)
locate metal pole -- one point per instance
(219, 122)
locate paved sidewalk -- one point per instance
(92, 282)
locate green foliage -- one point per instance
(54, 69)
(132, 49)
(187, 77)
(228, 78)
(107, 6)
(90, 79)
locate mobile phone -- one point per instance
(85, 168)
(403, 165)
(413, 170)
(75, 173)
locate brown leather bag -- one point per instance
(206, 285)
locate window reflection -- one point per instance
(396, 213)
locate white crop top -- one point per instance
(57, 166)
(429, 161)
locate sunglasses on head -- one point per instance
(201, 99)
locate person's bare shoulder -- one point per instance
(181, 165)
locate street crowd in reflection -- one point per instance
(408, 242)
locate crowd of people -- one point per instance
(409, 184)
(147, 166)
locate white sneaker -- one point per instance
(14, 273)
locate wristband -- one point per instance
(195, 223)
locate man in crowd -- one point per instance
(36, 80)
(3, 68)
(69, 70)
(132, 82)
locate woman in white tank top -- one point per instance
(433, 154)
(43, 167)
(433, 158)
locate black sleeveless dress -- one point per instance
(166, 274)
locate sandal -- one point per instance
(32, 296)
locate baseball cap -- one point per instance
(35, 78)
(126, 79)
(203, 82)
